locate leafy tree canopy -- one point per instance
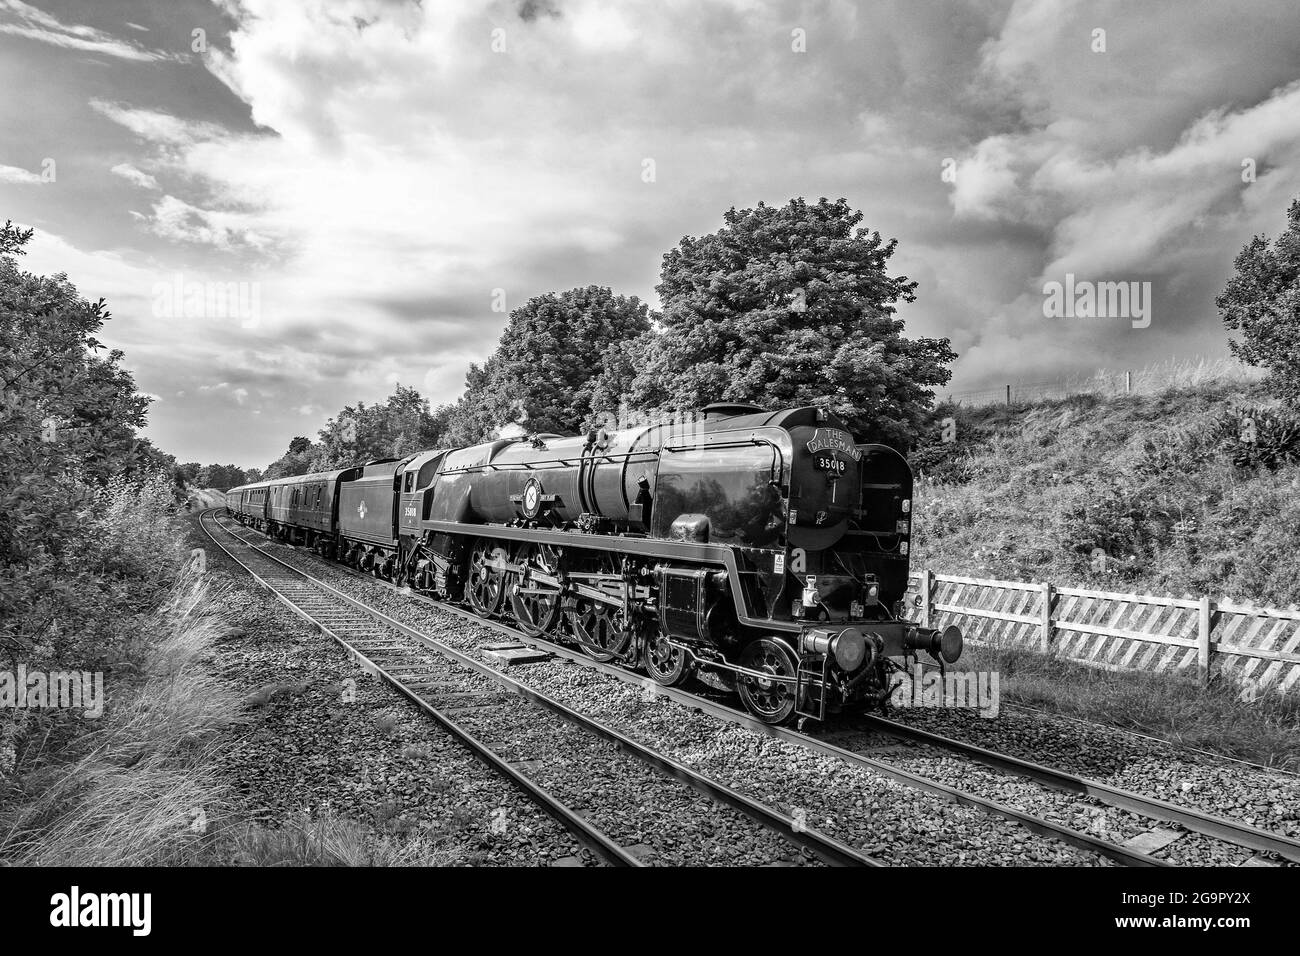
(297, 460)
(783, 307)
(398, 427)
(544, 373)
(222, 477)
(66, 411)
(69, 416)
(1262, 301)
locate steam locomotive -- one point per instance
(763, 552)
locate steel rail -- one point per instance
(1221, 828)
(588, 835)
(1042, 826)
(1129, 732)
(828, 849)
(1164, 741)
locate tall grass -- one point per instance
(1159, 377)
(1218, 719)
(329, 840)
(1152, 379)
(137, 788)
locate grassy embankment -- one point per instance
(1163, 484)
(137, 785)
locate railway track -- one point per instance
(1138, 735)
(1220, 828)
(431, 675)
(1227, 831)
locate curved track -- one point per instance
(412, 662)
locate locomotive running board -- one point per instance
(644, 547)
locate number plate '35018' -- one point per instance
(829, 463)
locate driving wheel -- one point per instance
(536, 606)
(769, 699)
(485, 582)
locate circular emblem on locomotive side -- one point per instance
(532, 498)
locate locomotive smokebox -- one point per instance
(946, 644)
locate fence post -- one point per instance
(1045, 618)
(1008, 394)
(1128, 382)
(927, 586)
(1203, 648)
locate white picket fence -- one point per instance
(1256, 646)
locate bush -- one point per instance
(1255, 437)
(134, 533)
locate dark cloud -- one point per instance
(530, 10)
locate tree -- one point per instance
(472, 418)
(66, 412)
(789, 306)
(544, 373)
(186, 474)
(298, 460)
(401, 426)
(1262, 301)
(221, 477)
(69, 417)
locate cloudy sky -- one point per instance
(374, 171)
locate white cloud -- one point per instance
(24, 20)
(239, 393)
(158, 127)
(1131, 211)
(177, 220)
(16, 175)
(135, 176)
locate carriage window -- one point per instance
(732, 486)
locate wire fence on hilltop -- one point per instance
(1150, 380)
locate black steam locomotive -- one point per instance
(761, 551)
